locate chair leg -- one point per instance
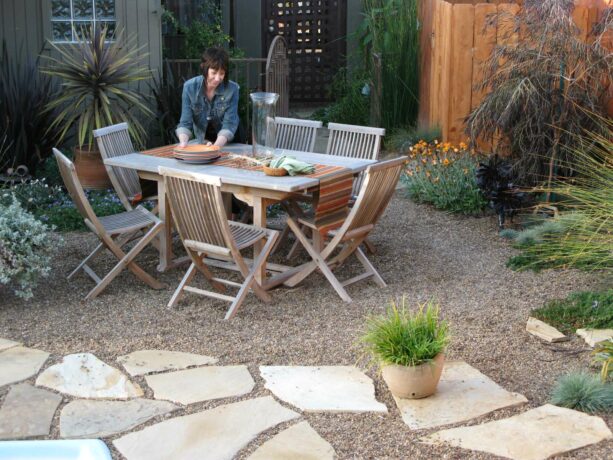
(369, 267)
(83, 264)
(125, 260)
(281, 240)
(319, 263)
(207, 273)
(189, 274)
(369, 246)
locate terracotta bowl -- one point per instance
(274, 171)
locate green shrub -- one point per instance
(26, 249)
(53, 206)
(405, 338)
(583, 392)
(579, 310)
(444, 176)
(402, 139)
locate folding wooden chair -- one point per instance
(114, 141)
(296, 134)
(113, 231)
(200, 217)
(377, 189)
(356, 142)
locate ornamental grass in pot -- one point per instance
(97, 76)
(409, 347)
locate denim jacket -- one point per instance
(197, 112)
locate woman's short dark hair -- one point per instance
(216, 59)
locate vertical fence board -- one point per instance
(435, 71)
(484, 43)
(462, 26)
(445, 65)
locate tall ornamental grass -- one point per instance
(443, 175)
(586, 241)
(390, 29)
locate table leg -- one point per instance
(166, 234)
(259, 220)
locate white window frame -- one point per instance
(74, 22)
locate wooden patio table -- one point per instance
(252, 186)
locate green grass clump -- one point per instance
(584, 392)
(579, 310)
(405, 338)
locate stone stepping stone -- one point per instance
(99, 419)
(19, 363)
(323, 388)
(544, 331)
(537, 434)
(6, 344)
(595, 336)
(299, 442)
(83, 375)
(463, 393)
(218, 433)
(201, 384)
(27, 411)
(146, 361)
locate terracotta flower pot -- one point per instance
(414, 382)
(90, 169)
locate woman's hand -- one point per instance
(183, 139)
(221, 141)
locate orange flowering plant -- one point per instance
(443, 174)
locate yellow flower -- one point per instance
(427, 173)
(424, 161)
(435, 180)
(410, 173)
(463, 146)
(446, 162)
(434, 162)
(435, 141)
(456, 150)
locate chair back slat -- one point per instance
(354, 141)
(296, 134)
(74, 187)
(114, 141)
(197, 209)
(377, 189)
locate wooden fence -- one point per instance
(457, 36)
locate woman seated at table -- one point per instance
(210, 103)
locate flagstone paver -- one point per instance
(220, 432)
(594, 336)
(83, 375)
(201, 384)
(27, 411)
(544, 331)
(323, 388)
(463, 393)
(298, 442)
(146, 361)
(98, 419)
(6, 343)
(534, 435)
(19, 363)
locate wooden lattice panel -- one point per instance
(314, 31)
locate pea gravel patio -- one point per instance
(421, 253)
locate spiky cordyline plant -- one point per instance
(96, 73)
(541, 87)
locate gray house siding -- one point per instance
(26, 26)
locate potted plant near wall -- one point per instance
(97, 74)
(409, 347)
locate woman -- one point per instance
(210, 103)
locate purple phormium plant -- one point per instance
(495, 180)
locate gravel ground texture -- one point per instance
(421, 253)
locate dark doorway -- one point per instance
(315, 31)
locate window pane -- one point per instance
(62, 31)
(110, 34)
(105, 9)
(82, 9)
(82, 29)
(60, 9)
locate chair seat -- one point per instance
(130, 220)
(245, 235)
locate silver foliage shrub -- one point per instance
(26, 248)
